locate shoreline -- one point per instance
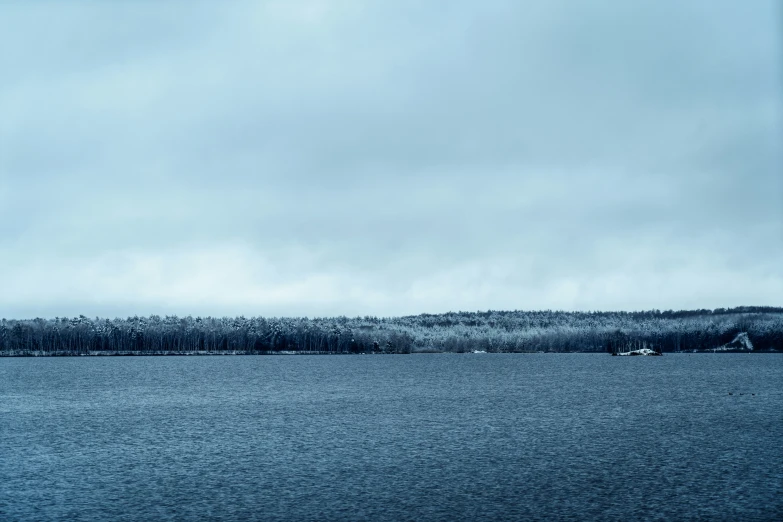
(289, 353)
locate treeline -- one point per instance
(491, 331)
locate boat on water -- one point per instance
(641, 351)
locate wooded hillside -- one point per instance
(492, 331)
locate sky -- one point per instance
(314, 158)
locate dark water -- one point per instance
(420, 437)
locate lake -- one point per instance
(397, 437)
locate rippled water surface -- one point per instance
(417, 437)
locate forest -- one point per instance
(490, 331)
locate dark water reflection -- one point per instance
(422, 437)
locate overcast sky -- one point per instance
(386, 158)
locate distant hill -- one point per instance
(741, 328)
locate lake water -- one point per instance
(416, 437)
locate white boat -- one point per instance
(641, 351)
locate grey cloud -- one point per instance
(508, 155)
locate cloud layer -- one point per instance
(326, 158)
